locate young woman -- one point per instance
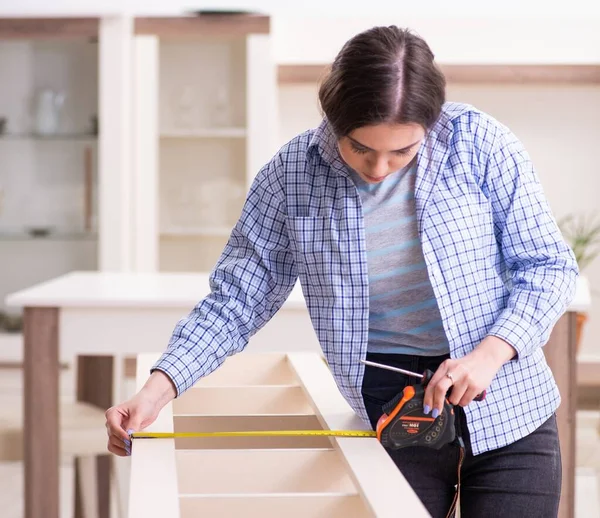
(422, 239)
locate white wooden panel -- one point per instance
(262, 471)
(114, 163)
(152, 491)
(242, 400)
(261, 103)
(257, 369)
(364, 456)
(145, 154)
(316, 505)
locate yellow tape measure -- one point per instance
(258, 433)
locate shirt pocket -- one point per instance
(318, 257)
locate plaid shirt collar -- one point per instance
(431, 157)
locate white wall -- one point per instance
(469, 39)
(335, 8)
(560, 126)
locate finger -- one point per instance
(118, 447)
(114, 423)
(428, 398)
(458, 391)
(121, 452)
(120, 444)
(441, 389)
(133, 424)
(438, 375)
(469, 396)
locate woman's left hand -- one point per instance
(468, 376)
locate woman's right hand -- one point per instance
(137, 413)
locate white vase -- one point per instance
(47, 115)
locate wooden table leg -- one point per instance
(561, 357)
(95, 386)
(41, 412)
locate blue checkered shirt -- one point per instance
(496, 259)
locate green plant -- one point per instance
(582, 232)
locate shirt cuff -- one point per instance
(182, 370)
(517, 332)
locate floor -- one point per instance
(11, 474)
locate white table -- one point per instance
(96, 316)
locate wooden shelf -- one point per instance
(48, 28)
(60, 137)
(205, 133)
(203, 26)
(523, 74)
(289, 74)
(472, 74)
(52, 236)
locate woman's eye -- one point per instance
(403, 152)
(358, 150)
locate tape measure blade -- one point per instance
(257, 433)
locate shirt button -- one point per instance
(435, 272)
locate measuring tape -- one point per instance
(260, 433)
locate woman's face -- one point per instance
(375, 152)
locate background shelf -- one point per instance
(205, 133)
(58, 137)
(47, 181)
(202, 149)
(24, 235)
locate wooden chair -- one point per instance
(264, 476)
(82, 438)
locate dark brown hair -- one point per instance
(382, 75)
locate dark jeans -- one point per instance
(522, 479)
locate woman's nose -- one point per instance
(379, 167)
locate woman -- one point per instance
(422, 239)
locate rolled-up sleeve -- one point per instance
(542, 266)
(250, 282)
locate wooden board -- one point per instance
(325, 477)
(48, 28)
(223, 26)
(560, 352)
(471, 74)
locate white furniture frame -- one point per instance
(296, 477)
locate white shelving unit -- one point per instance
(48, 181)
(205, 117)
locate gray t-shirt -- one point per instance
(404, 316)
